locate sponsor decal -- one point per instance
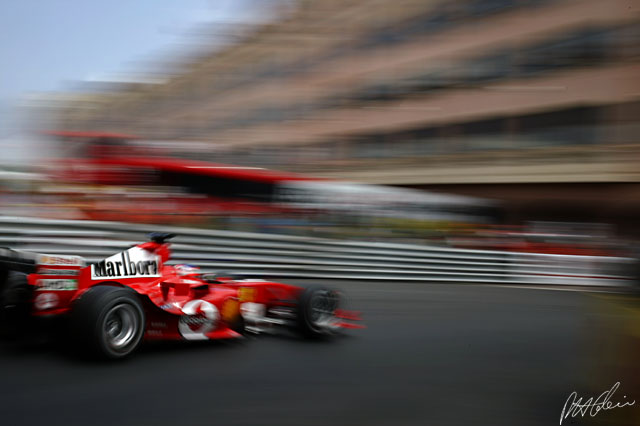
(46, 301)
(199, 319)
(230, 310)
(46, 259)
(132, 263)
(56, 285)
(253, 312)
(246, 294)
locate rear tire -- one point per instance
(15, 298)
(109, 321)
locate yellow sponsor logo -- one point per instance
(246, 294)
(230, 310)
(61, 260)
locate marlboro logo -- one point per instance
(132, 263)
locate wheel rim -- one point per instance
(121, 326)
(322, 309)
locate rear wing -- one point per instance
(37, 263)
(139, 262)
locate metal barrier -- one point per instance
(269, 255)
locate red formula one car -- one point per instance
(133, 295)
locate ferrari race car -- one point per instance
(112, 305)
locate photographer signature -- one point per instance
(574, 407)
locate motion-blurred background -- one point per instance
(507, 120)
(512, 126)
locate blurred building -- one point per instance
(534, 102)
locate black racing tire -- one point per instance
(108, 322)
(15, 305)
(316, 311)
(238, 325)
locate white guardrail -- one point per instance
(267, 255)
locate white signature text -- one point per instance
(574, 406)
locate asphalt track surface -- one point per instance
(433, 354)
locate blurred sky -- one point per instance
(48, 44)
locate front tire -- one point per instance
(109, 321)
(316, 311)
